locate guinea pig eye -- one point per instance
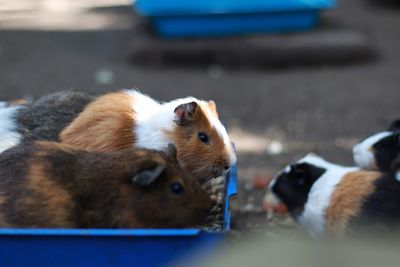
(177, 188)
(204, 138)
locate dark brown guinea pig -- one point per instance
(51, 185)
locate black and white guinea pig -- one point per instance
(378, 151)
(125, 119)
(328, 199)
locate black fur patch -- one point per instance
(45, 118)
(292, 188)
(386, 151)
(381, 210)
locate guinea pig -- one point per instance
(52, 185)
(126, 119)
(328, 199)
(378, 151)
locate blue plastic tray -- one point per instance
(195, 18)
(105, 247)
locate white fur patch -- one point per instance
(150, 122)
(313, 216)
(9, 137)
(154, 119)
(398, 176)
(362, 154)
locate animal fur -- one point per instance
(346, 201)
(52, 185)
(378, 151)
(126, 119)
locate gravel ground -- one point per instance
(275, 115)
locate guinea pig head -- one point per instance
(166, 196)
(292, 186)
(377, 152)
(203, 145)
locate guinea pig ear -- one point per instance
(147, 176)
(184, 114)
(213, 107)
(171, 151)
(395, 125)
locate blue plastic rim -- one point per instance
(207, 7)
(225, 25)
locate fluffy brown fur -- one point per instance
(347, 199)
(56, 202)
(106, 124)
(52, 185)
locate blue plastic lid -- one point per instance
(203, 7)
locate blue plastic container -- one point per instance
(76, 247)
(196, 18)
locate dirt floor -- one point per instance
(275, 115)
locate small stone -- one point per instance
(104, 76)
(248, 208)
(260, 181)
(275, 148)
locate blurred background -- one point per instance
(281, 94)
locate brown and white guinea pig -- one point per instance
(51, 185)
(125, 119)
(377, 152)
(328, 199)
